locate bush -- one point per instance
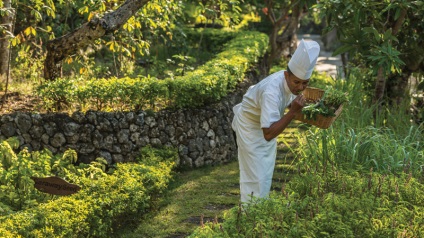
(207, 84)
(333, 203)
(104, 203)
(361, 140)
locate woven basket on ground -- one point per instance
(314, 94)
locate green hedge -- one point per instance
(102, 205)
(207, 84)
(209, 39)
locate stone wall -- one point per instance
(203, 136)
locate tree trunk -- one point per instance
(62, 47)
(344, 58)
(7, 22)
(380, 86)
(286, 42)
(397, 87)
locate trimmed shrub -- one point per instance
(104, 203)
(207, 84)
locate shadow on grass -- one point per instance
(200, 195)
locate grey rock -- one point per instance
(8, 129)
(140, 119)
(45, 139)
(36, 119)
(36, 131)
(118, 158)
(150, 121)
(123, 136)
(130, 117)
(23, 122)
(205, 126)
(134, 128)
(58, 140)
(211, 134)
(86, 148)
(155, 142)
(107, 156)
(50, 128)
(71, 128)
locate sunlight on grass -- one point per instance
(25, 88)
(193, 194)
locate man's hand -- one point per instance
(297, 104)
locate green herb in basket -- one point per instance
(326, 105)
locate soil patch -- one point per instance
(200, 219)
(17, 102)
(219, 207)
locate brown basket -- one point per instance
(321, 121)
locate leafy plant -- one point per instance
(360, 141)
(389, 52)
(329, 203)
(105, 202)
(17, 190)
(183, 63)
(327, 105)
(208, 83)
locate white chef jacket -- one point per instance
(262, 105)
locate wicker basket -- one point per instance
(321, 121)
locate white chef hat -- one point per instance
(304, 59)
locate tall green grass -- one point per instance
(360, 140)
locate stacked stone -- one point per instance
(202, 136)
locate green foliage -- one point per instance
(16, 170)
(330, 203)
(105, 202)
(333, 96)
(59, 96)
(206, 84)
(359, 140)
(417, 97)
(183, 64)
(378, 34)
(218, 77)
(17, 187)
(322, 80)
(360, 178)
(331, 100)
(365, 148)
(27, 65)
(37, 22)
(153, 156)
(281, 64)
(208, 39)
(225, 12)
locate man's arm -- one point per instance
(279, 126)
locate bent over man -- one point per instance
(260, 118)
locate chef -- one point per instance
(260, 118)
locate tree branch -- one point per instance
(399, 22)
(64, 46)
(271, 15)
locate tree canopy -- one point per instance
(384, 36)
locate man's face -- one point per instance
(296, 85)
